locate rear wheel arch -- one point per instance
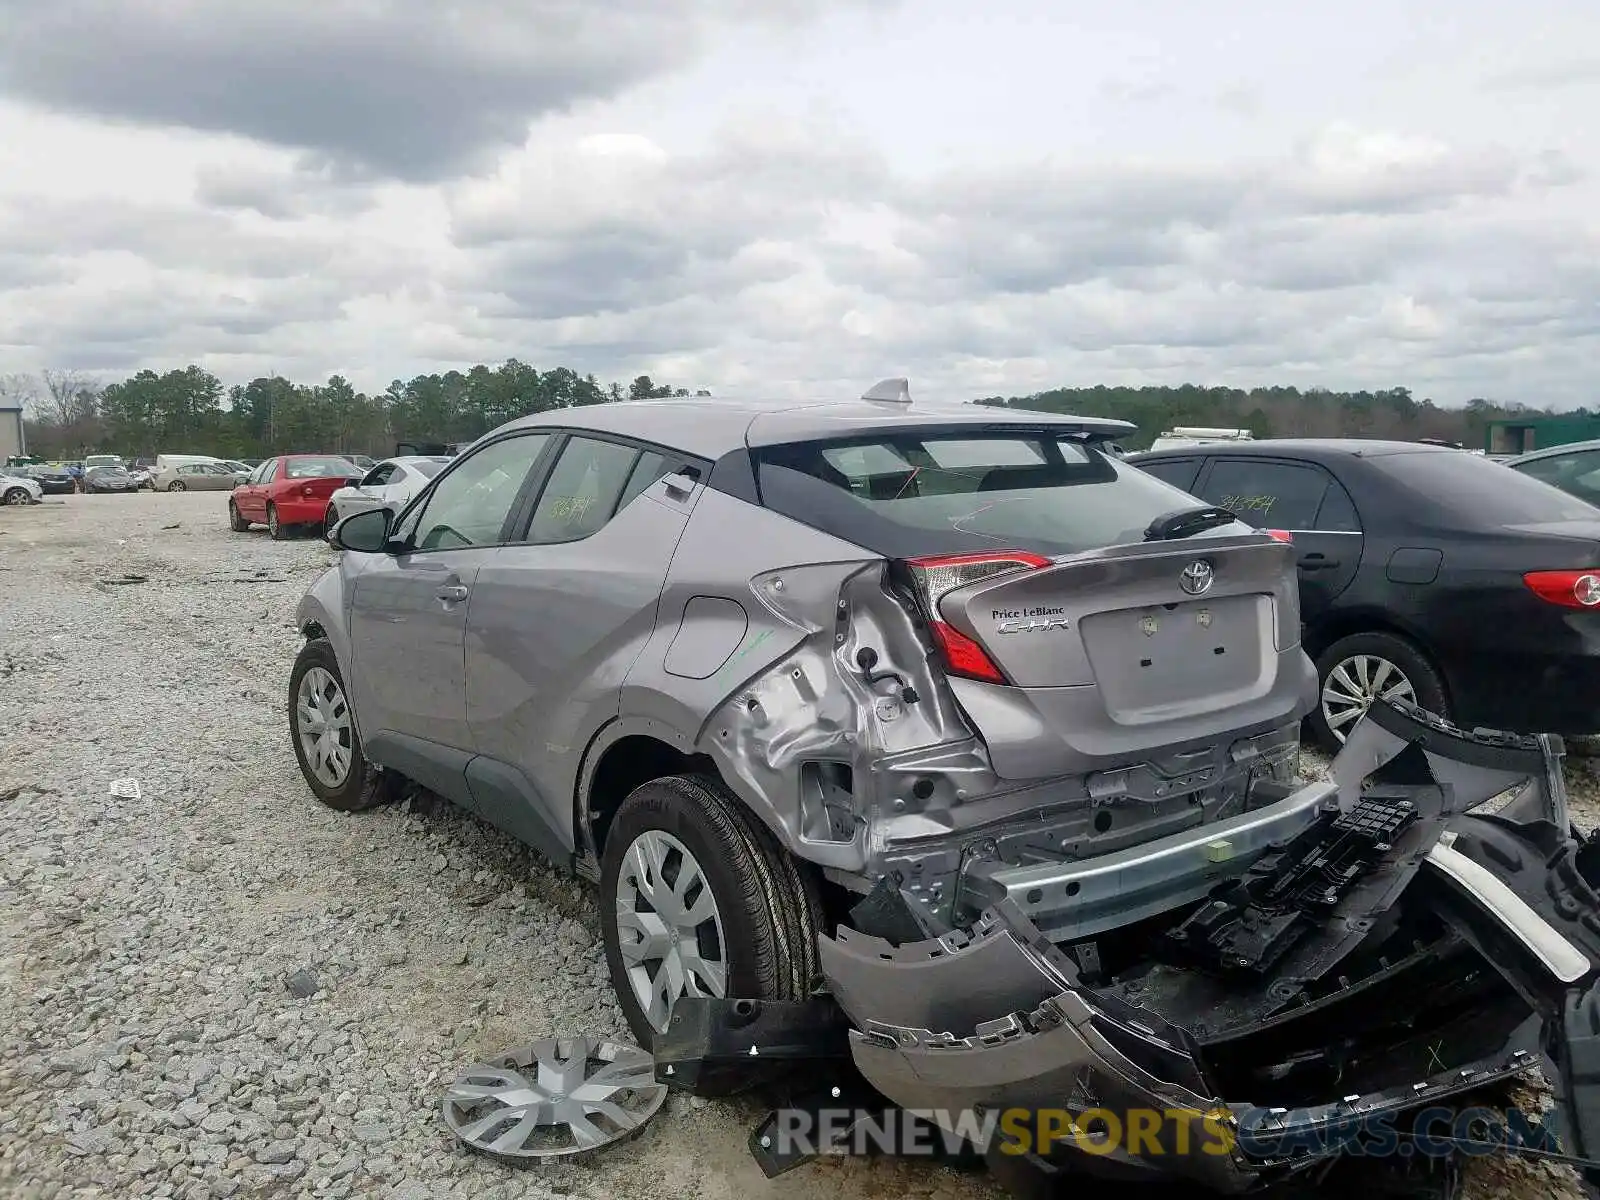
(621, 757)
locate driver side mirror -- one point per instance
(364, 532)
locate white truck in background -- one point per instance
(1199, 435)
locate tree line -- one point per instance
(189, 410)
(1278, 411)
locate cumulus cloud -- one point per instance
(452, 184)
(410, 89)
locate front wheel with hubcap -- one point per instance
(177, 485)
(323, 730)
(329, 520)
(699, 899)
(1361, 668)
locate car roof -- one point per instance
(1315, 448)
(1552, 451)
(712, 427)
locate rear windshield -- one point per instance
(1459, 482)
(429, 467)
(905, 494)
(321, 468)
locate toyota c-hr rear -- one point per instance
(739, 663)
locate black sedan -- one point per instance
(109, 479)
(55, 480)
(1426, 574)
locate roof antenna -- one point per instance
(889, 391)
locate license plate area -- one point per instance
(1164, 661)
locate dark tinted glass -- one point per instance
(1461, 483)
(1179, 472)
(1338, 512)
(1268, 495)
(907, 494)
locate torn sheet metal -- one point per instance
(1392, 950)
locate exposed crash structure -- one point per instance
(942, 748)
(1331, 954)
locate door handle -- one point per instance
(1317, 562)
(454, 591)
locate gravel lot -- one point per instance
(148, 1044)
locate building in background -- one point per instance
(12, 439)
(1518, 435)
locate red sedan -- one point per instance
(289, 491)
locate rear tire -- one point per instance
(275, 528)
(765, 910)
(1368, 665)
(235, 520)
(317, 701)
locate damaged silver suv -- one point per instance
(738, 663)
(943, 752)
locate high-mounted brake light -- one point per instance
(936, 576)
(1570, 589)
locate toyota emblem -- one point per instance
(1196, 578)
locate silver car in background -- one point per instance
(195, 477)
(392, 483)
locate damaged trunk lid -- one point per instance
(1082, 609)
(1092, 651)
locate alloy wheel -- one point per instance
(177, 485)
(16, 496)
(1352, 686)
(322, 722)
(668, 928)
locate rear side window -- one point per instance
(905, 494)
(1267, 494)
(583, 490)
(650, 467)
(1458, 483)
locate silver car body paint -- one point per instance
(716, 627)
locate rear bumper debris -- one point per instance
(1237, 1005)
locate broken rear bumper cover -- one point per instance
(1334, 956)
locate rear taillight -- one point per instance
(1279, 535)
(937, 576)
(1570, 589)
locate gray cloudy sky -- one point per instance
(798, 195)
